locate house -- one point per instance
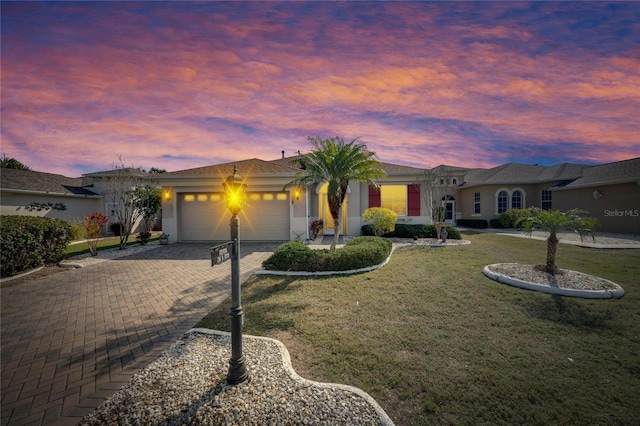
(30, 193)
(194, 208)
(609, 192)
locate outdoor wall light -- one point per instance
(597, 194)
(234, 195)
(166, 195)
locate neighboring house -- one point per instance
(194, 208)
(30, 193)
(609, 192)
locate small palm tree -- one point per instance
(336, 162)
(554, 221)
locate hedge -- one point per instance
(27, 242)
(403, 230)
(361, 252)
(473, 223)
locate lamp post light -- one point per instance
(234, 194)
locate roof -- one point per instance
(607, 174)
(117, 172)
(515, 173)
(251, 167)
(40, 182)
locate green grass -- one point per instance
(436, 342)
(103, 244)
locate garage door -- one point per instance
(203, 217)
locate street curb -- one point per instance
(616, 293)
(286, 364)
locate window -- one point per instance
(476, 203)
(503, 201)
(545, 199)
(394, 197)
(516, 200)
(281, 196)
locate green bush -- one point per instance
(473, 223)
(28, 242)
(77, 231)
(381, 220)
(358, 253)
(509, 218)
(403, 230)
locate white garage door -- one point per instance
(203, 217)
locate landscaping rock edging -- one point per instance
(385, 420)
(615, 293)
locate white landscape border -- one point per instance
(615, 293)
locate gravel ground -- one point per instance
(187, 386)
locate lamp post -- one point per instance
(234, 194)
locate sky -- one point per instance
(178, 85)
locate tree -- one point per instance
(337, 163)
(437, 186)
(554, 221)
(12, 163)
(381, 220)
(132, 193)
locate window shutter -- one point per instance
(374, 197)
(413, 200)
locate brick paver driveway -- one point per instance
(69, 340)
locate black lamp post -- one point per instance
(234, 194)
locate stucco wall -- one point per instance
(616, 207)
(76, 208)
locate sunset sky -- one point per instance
(177, 85)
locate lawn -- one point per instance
(77, 248)
(436, 342)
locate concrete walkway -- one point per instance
(70, 339)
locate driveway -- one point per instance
(70, 339)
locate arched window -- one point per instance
(503, 201)
(516, 200)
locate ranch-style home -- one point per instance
(194, 209)
(609, 192)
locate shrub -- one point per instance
(358, 253)
(381, 220)
(77, 231)
(509, 218)
(28, 242)
(403, 230)
(473, 223)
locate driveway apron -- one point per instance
(69, 340)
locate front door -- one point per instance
(449, 205)
(325, 214)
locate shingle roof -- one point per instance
(109, 173)
(514, 173)
(251, 167)
(610, 173)
(23, 180)
(389, 168)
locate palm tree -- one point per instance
(335, 162)
(554, 221)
